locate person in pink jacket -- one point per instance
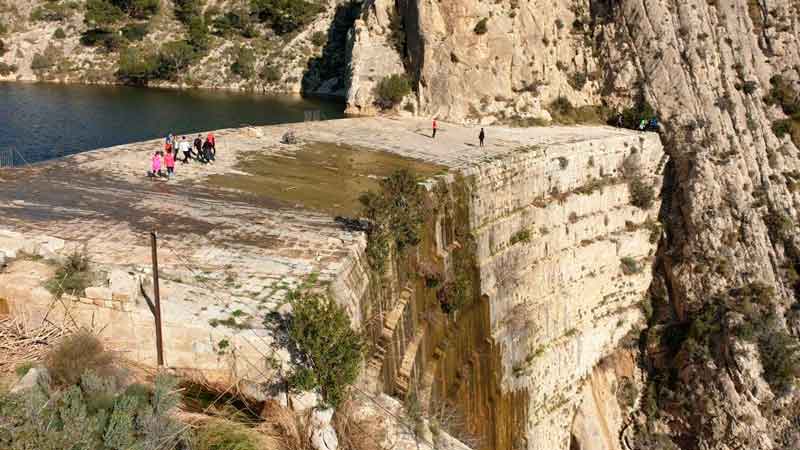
(156, 165)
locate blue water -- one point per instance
(45, 121)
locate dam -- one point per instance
(534, 258)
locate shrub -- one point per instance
(392, 89)
(642, 194)
(135, 31)
(782, 127)
(140, 9)
(50, 12)
(99, 37)
(749, 87)
(270, 73)
(232, 21)
(198, 35)
(45, 419)
(225, 435)
(562, 111)
(630, 117)
(285, 16)
(482, 26)
(7, 69)
(244, 62)
(72, 276)
(186, 10)
(330, 350)
(780, 357)
(45, 60)
(577, 80)
(396, 214)
(172, 58)
(76, 354)
(520, 236)
(319, 38)
(137, 67)
(59, 33)
(101, 14)
(629, 265)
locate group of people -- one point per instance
(162, 163)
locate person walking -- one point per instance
(186, 148)
(198, 145)
(435, 127)
(207, 151)
(213, 141)
(481, 136)
(169, 161)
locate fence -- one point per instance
(6, 158)
(313, 115)
(12, 158)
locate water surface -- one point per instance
(46, 121)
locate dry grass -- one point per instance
(21, 344)
(76, 354)
(358, 433)
(286, 426)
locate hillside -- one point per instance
(264, 46)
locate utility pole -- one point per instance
(157, 306)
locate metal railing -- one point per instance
(313, 115)
(6, 158)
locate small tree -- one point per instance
(482, 26)
(330, 350)
(392, 89)
(642, 194)
(244, 63)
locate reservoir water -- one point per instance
(45, 121)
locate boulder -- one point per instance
(323, 436)
(99, 293)
(303, 401)
(33, 377)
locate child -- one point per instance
(155, 165)
(169, 161)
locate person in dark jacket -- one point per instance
(481, 136)
(207, 151)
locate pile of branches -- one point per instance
(20, 343)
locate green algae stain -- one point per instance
(319, 176)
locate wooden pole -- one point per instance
(157, 312)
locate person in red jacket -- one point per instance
(435, 127)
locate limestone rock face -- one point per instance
(371, 55)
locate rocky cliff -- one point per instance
(721, 349)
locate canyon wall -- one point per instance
(722, 77)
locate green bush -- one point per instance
(244, 63)
(231, 22)
(285, 16)
(198, 35)
(50, 12)
(137, 67)
(73, 275)
(186, 10)
(642, 194)
(396, 214)
(562, 112)
(330, 350)
(629, 265)
(632, 116)
(42, 418)
(392, 89)
(319, 38)
(520, 236)
(225, 435)
(173, 57)
(7, 69)
(140, 9)
(102, 14)
(46, 60)
(482, 26)
(99, 37)
(59, 33)
(76, 354)
(135, 31)
(270, 73)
